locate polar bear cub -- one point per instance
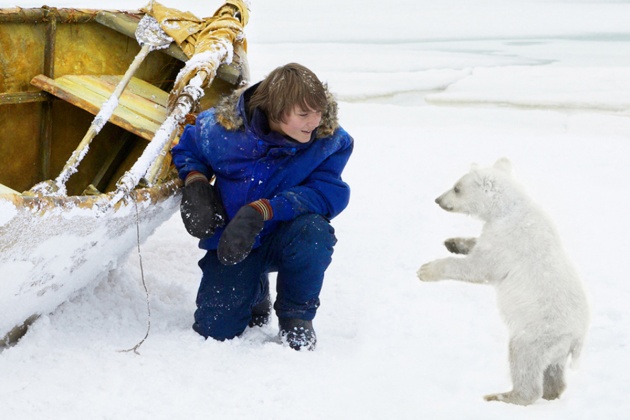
(539, 294)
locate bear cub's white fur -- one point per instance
(539, 293)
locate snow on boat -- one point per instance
(90, 103)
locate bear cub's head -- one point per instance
(482, 192)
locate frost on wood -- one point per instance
(207, 61)
(186, 100)
(149, 33)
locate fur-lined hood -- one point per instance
(231, 110)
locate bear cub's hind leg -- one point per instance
(526, 369)
(553, 382)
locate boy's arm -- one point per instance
(187, 156)
(323, 192)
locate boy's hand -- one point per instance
(238, 238)
(201, 209)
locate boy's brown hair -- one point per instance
(284, 88)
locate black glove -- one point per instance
(238, 237)
(201, 208)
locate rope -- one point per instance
(144, 284)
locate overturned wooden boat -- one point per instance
(58, 69)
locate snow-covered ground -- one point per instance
(426, 88)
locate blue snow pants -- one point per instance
(299, 250)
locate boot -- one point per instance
(261, 312)
(297, 333)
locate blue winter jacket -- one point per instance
(251, 162)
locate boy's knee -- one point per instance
(217, 328)
(315, 229)
(310, 240)
(207, 331)
(220, 320)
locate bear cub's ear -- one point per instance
(503, 165)
(489, 183)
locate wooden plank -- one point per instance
(123, 116)
(136, 103)
(23, 97)
(141, 88)
(42, 15)
(104, 87)
(90, 101)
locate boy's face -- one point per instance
(299, 124)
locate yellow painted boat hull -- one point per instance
(57, 66)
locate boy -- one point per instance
(277, 153)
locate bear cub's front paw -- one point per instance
(461, 246)
(428, 272)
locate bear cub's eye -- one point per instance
(456, 189)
